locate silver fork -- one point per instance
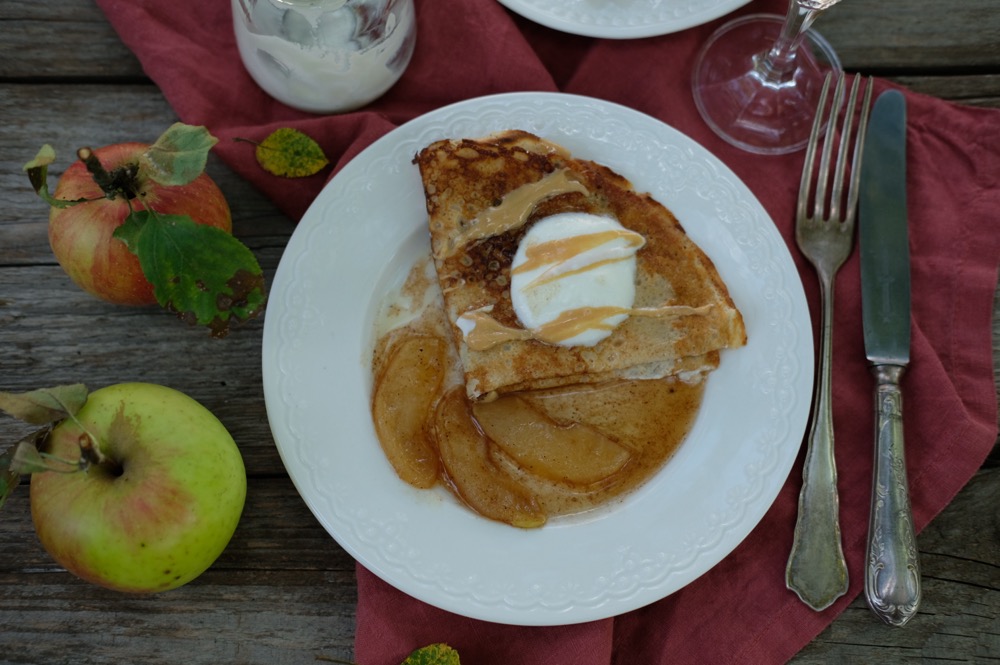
(816, 568)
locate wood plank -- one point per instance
(915, 36)
(972, 90)
(67, 117)
(276, 533)
(959, 617)
(283, 591)
(99, 115)
(52, 332)
(284, 585)
(41, 39)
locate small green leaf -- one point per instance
(38, 173)
(179, 155)
(433, 654)
(45, 405)
(202, 273)
(290, 153)
(27, 459)
(8, 479)
(46, 155)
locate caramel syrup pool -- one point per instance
(522, 457)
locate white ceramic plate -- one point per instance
(359, 239)
(622, 19)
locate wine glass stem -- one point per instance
(777, 65)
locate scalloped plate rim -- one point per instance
(386, 529)
(618, 23)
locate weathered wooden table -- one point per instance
(284, 591)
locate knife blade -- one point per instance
(892, 566)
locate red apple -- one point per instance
(82, 235)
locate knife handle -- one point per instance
(892, 575)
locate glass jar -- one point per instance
(325, 56)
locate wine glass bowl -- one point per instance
(757, 80)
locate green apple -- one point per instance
(160, 506)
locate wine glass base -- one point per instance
(745, 107)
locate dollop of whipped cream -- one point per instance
(570, 267)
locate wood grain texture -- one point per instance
(284, 591)
(920, 36)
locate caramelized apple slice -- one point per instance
(479, 483)
(405, 390)
(573, 453)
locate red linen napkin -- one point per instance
(740, 611)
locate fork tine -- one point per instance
(836, 192)
(838, 184)
(828, 141)
(807, 166)
(859, 143)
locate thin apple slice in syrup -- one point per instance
(573, 453)
(465, 455)
(402, 405)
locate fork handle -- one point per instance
(892, 571)
(816, 569)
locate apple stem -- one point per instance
(90, 452)
(121, 181)
(90, 449)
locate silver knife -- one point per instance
(892, 565)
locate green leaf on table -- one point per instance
(290, 153)
(45, 405)
(179, 155)
(203, 274)
(38, 173)
(433, 654)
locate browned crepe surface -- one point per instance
(464, 177)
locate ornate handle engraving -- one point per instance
(892, 574)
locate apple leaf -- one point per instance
(37, 407)
(290, 153)
(179, 155)
(433, 654)
(26, 458)
(38, 173)
(8, 479)
(45, 405)
(203, 274)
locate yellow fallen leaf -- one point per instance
(290, 153)
(433, 654)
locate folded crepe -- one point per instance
(483, 195)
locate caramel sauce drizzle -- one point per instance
(487, 332)
(562, 250)
(515, 208)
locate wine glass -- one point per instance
(757, 80)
